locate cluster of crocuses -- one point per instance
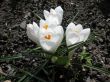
(49, 34)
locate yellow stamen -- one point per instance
(48, 37)
(45, 26)
(77, 31)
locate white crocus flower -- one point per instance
(47, 35)
(55, 15)
(32, 32)
(50, 38)
(76, 33)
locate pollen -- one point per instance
(48, 37)
(45, 26)
(76, 31)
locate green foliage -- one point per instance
(86, 56)
(60, 60)
(101, 70)
(9, 58)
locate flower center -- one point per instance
(76, 31)
(45, 26)
(48, 37)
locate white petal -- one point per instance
(29, 26)
(59, 34)
(42, 22)
(35, 26)
(32, 34)
(52, 44)
(53, 20)
(59, 10)
(55, 16)
(79, 27)
(72, 39)
(70, 27)
(46, 14)
(52, 11)
(71, 36)
(84, 34)
(48, 46)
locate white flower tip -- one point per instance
(46, 13)
(79, 25)
(52, 11)
(42, 20)
(59, 8)
(87, 33)
(34, 24)
(71, 23)
(88, 30)
(29, 26)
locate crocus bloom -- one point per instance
(32, 32)
(50, 38)
(55, 15)
(48, 35)
(76, 33)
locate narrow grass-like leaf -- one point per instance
(38, 78)
(18, 56)
(11, 58)
(31, 50)
(71, 47)
(36, 71)
(75, 17)
(50, 80)
(36, 15)
(102, 70)
(22, 78)
(30, 74)
(40, 67)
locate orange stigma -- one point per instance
(48, 37)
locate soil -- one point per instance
(94, 14)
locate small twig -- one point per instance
(75, 16)
(36, 15)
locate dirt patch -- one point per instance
(94, 14)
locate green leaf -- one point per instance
(22, 78)
(86, 56)
(60, 60)
(54, 59)
(72, 47)
(11, 58)
(102, 70)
